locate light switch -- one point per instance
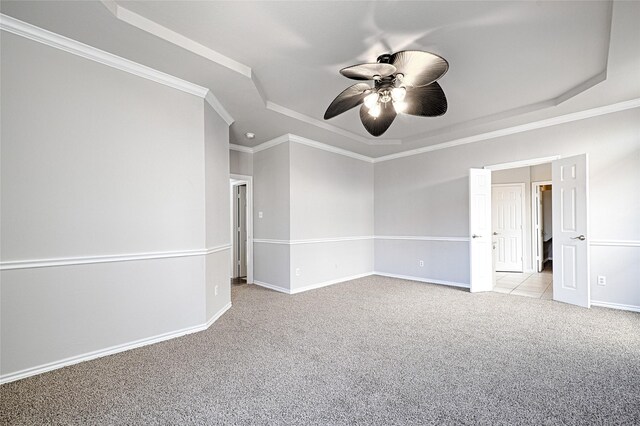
(259, 215)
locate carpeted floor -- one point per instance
(371, 351)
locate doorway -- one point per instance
(568, 191)
(241, 190)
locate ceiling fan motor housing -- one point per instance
(384, 58)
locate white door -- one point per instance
(537, 226)
(570, 227)
(506, 216)
(481, 274)
(242, 230)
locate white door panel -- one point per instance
(506, 203)
(570, 231)
(480, 230)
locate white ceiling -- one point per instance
(274, 65)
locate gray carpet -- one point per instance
(371, 351)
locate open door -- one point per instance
(537, 226)
(570, 226)
(481, 274)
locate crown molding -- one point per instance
(302, 141)
(218, 107)
(327, 126)
(271, 143)
(57, 41)
(561, 119)
(240, 148)
(567, 118)
(173, 37)
(40, 35)
(329, 148)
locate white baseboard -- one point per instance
(619, 306)
(331, 282)
(11, 377)
(272, 287)
(424, 280)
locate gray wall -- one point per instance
(331, 197)
(271, 196)
(241, 163)
(98, 162)
(427, 194)
(217, 210)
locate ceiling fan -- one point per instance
(403, 82)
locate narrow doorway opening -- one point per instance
(241, 230)
(239, 269)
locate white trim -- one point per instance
(329, 148)
(173, 37)
(83, 260)
(615, 243)
(327, 126)
(423, 280)
(567, 118)
(218, 107)
(241, 148)
(272, 287)
(561, 119)
(270, 241)
(271, 143)
(289, 137)
(522, 163)
(217, 315)
(620, 306)
(31, 32)
(311, 241)
(421, 238)
(11, 377)
(328, 283)
(217, 249)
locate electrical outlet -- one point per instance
(421, 263)
(297, 272)
(259, 215)
(215, 291)
(602, 280)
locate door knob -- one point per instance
(476, 236)
(579, 237)
(495, 233)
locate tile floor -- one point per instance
(538, 285)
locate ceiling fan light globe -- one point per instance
(398, 94)
(371, 100)
(375, 110)
(400, 106)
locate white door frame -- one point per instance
(248, 181)
(522, 214)
(534, 233)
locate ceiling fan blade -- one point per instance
(426, 101)
(419, 68)
(350, 97)
(378, 125)
(367, 71)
